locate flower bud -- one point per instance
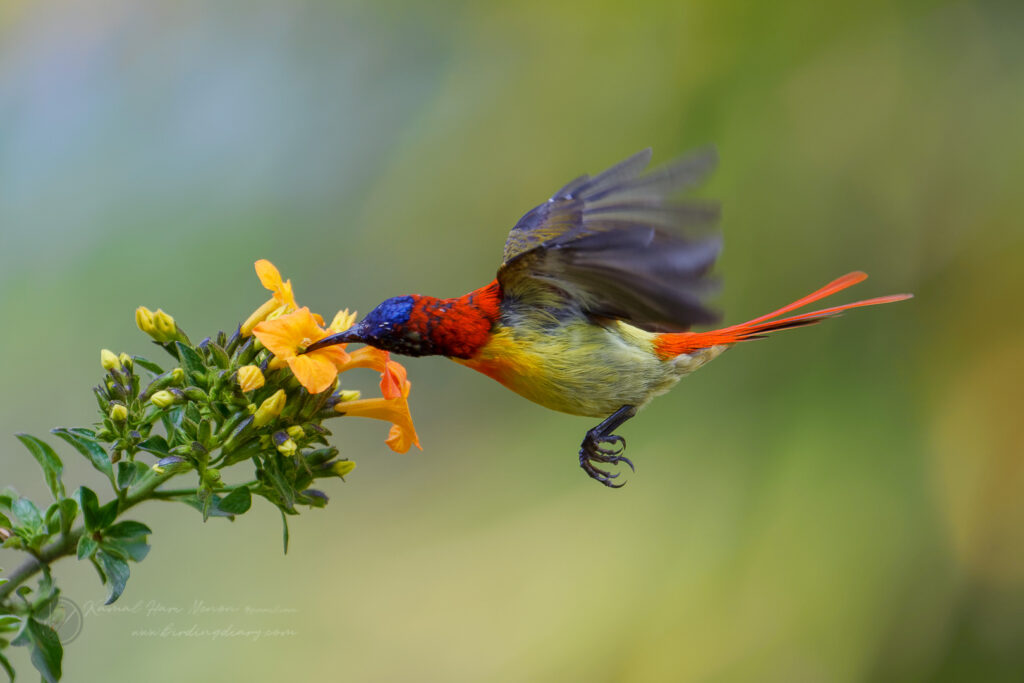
(163, 399)
(109, 360)
(258, 316)
(126, 360)
(118, 412)
(144, 319)
(165, 327)
(270, 408)
(172, 463)
(287, 447)
(250, 378)
(343, 467)
(177, 377)
(349, 395)
(296, 432)
(212, 477)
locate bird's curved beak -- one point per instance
(352, 334)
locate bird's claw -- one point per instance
(592, 452)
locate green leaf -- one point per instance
(127, 529)
(132, 549)
(6, 665)
(107, 514)
(237, 502)
(4, 521)
(87, 545)
(148, 364)
(284, 531)
(85, 443)
(213, 509)
(48, 460)
(90, 506)
(45, 647)
(117, 573)
(28, 515)
(129, 472)
(157, 445)
(190, 360)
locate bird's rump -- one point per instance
(619, 245)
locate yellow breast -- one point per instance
(577, 367)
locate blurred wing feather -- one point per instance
(614, 244)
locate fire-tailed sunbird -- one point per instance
(591, 309)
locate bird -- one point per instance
(592, 308)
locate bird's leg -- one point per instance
(592, 450)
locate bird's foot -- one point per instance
(593, 451)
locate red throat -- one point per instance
(457, 327)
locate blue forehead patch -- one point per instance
(395, 310)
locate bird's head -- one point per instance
(390, 326)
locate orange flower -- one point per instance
(394, 407)
(281, 302)
(288, 335)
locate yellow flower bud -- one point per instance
(296, 432)
(287, 447)
(177, 376)
(126, 360)
(343, 467)
(349, 395)
(250, 378)
(144, 319)
(162, 399)
(270, 408)
(118, 413)
(109, 360)
(165, 327)
(258, 316)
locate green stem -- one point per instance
(67, 544)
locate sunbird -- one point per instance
(591, 309)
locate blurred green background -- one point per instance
(842, 503)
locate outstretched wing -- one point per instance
(615, 244)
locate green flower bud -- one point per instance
(126, 360)
(163, 399)
(177, 377)
(118, 412)
(270, 408)
(109, 360)
(212, 477)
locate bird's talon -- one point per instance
(593, 452)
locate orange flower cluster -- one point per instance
(287, 330)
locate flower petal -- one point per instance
(269, 275)
(313, 371)
(401, 440)
(393, 382)
(342, 321)
(284, 335)
(366, 357)
(402, 435)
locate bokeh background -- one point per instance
(842, 503)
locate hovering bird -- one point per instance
(591, 309)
